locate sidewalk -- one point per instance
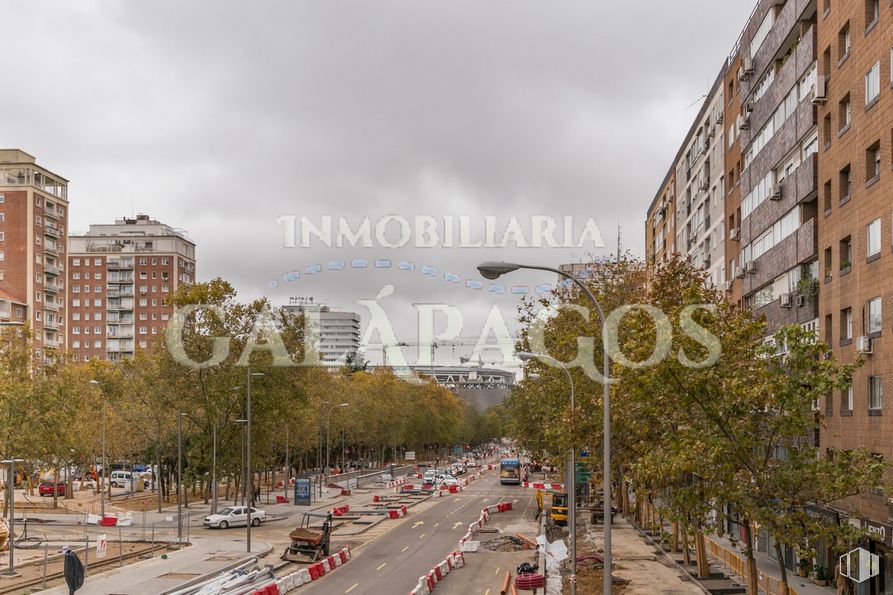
(150, 577)
(769, 567)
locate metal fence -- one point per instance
(736, 564)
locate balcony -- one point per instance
(120, 320)
(51, 306)
(52, 287)
(118, 306)
(51, 269)
(51, 232)
(51, 343)
(54, 250)
(119, 264)
(51, 324)
(120, 334)
(116, 347)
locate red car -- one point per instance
(46, 488)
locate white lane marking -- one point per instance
(456, 525)
(418, 523)
(404, 549)
(435, 524)
(352, 588)
(382, 566)
(421, 536)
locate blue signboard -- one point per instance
(303, 493)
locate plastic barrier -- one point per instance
(313, 572)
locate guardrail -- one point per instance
(356, 479)
(736, 564)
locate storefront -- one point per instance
(880, 542)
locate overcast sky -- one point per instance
(219, 116)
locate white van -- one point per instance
(121, 479)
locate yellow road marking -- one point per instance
(382, 566)
(352, 588)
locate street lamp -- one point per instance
(101, 475)
(493, 270)
(180, 417)
(526, 356)
(250, 480)
(328, 428)
(242, 423)
(10, 492)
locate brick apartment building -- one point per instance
(806, 214)
(119, 276)
(33, 226)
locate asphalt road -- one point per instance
(393, 561)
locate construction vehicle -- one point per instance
(559, 508)
(309, 545)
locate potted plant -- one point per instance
(822, 576)
(803, 567)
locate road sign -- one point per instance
(410, 455)
(102, 545)
(302, 492)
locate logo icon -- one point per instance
(859, 565)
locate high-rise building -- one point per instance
(686, 214)
(33, 226)
(119, 277)
(808, 119)
(338, 332)
(855, 116)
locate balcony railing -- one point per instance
(51, 232)
(51, 306)
(52, 288)
(51, 269)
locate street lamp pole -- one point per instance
(571, 468)
(10, 492)
(214, 468)
(102, 475)
(328, 430)
(180, 476)
(249, 484)
(493, 270)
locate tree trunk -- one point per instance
(674, 539)
(686, 553)
(785, 589)
(156, 473)
(752, 573)
(701, 552)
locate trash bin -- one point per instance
(141, 485)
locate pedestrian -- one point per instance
(842, 583)
(257, 493)
(73, 570)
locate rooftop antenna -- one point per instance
(619, 241)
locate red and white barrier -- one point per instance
(456, 559)
(397, 513)
(397, 482)
(539, 485)
(313, 572)
(341, 510)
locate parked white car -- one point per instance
(234, 516)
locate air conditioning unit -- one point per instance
(734, 233)
(741, 74)
(711, 133)
(748, 65)
(801, 300)
(820, 91)
(785, 300)
(727, 286)
(719, 118)
(742, 122)
(662, 211)
(863, 345)
(705, 184)
(749, 105)
(706, 260)
(750, 267)
(739, 272)
(776, 192)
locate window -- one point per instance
(76, 262)
(827, 195)
(847, 401)
(97, 276)
(875, 393)
(845, 113)
(872, 84)
(97, 344)
(873, 162)
(826, 130)
(873, 238)
(143, 330)
(846, 325)
(872, 12)
(76, 344)
(845, 184)
(762, 32)
(843, 43)
(76, 303)
(97, 262)
(846, 254)
(875, 323)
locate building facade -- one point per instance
(338, 332)
(808, 154)
(120, 276)
(33, 227)
(855, 115)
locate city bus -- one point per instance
(510, 471)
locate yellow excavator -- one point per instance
(559, 508)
